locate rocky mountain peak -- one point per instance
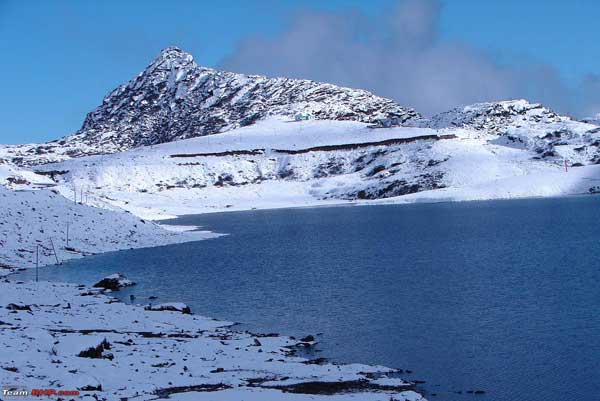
(169, 58)
(174, 98)
(173, 52)
(496, 116)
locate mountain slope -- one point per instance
(309, 156)
(278, 163)
(529, 126)
(220, 140)
(63, 229)
(174, 98)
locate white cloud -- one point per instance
(400, 55)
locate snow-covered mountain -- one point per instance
(530, 126)
(282, 163)
(220, 140)
(174, 98)
(296, 163)
(496, 117)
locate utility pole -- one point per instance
(37, 261)
(54, 249)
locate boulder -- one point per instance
(114, 282)
(19, 306)
(171, 306)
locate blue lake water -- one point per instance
(500, 296)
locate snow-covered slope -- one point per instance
(174, 98)
(592, 120)
(44, 218)
(282, 163)
(303, 162)
(15, 177)
(68, 338)
(530, 126)
(34, 216)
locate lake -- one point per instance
(500, 296)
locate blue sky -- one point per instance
(61, 57)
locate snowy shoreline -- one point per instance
(163, 220)
(50, 330)
(42, 227)
(70, 337)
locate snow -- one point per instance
(500, 150)
(76, 338)
(281, 163)
(273, 395)
(152, 184)
(21, 178)
(180, 228)
(39, 219)
(283, 133)
(145, 355)
(169, 306)
(553, 183)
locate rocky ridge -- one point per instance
(174, 98)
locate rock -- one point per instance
(16, 307)
(90, 293)
(96, 352)
(90, 388)
(114, 282)
(171, 306)
(317, 361)
(308, 339)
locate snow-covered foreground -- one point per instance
(67, 337)
(279, 163)
(42, 225)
